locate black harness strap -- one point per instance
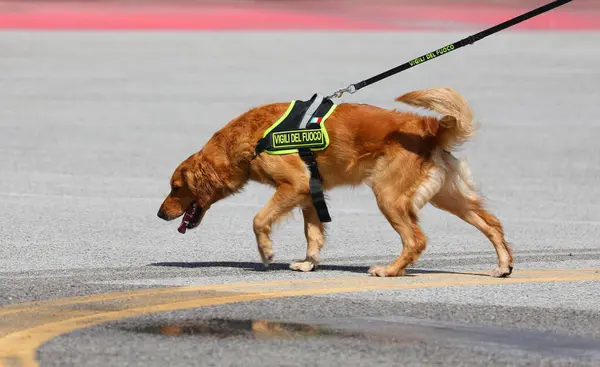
(316, 190)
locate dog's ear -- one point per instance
(188, 177)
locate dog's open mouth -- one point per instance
(191, 218)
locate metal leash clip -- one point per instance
(338, 94)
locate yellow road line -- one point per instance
(29, 306)
(19, 347)
(26, 306)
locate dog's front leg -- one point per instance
(315, 239)
(281, 203)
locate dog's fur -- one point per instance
(404, 157)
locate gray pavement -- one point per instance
(92, 125)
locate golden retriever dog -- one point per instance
(404, 157)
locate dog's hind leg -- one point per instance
(281, 203)
(404, 221)
(458, 196)
(315, 239)
(400, 204)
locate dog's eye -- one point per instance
(175, 188)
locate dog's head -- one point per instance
(196, 184)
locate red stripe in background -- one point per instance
(282, 15)
(107, 16)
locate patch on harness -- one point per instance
(298, 138)
(301, 126)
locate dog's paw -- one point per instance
(501, 272)
(384, 271)
(267, 259)
(304, 266)
(378, 271)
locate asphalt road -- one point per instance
(92, 125)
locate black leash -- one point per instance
(352, 88)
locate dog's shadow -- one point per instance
(259, 267)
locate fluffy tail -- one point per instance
(456, 127)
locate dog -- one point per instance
(404, 157)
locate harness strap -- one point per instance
(316, 190)
(310, 111)
(260, 147)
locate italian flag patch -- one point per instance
(316, 120)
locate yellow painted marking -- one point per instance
(18, 346)
(28, 306)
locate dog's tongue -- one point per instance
(187, 216)
(182, 227)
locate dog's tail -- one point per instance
(456, 126)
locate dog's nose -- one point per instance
(161, 214)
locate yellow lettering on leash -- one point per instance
(432, 55)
